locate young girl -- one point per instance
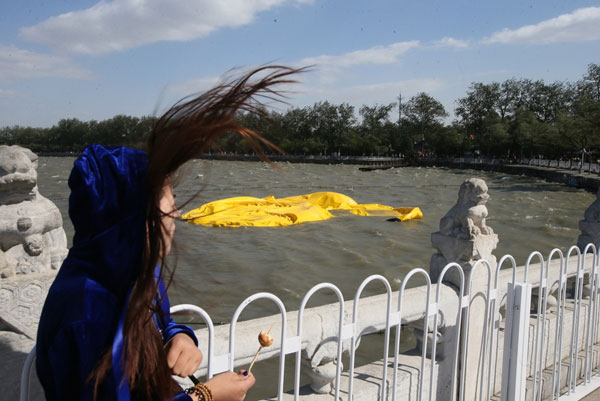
(105, 332)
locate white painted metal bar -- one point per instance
(575, 326)
(495, 312)
(388, 289)
(538, 353)
(234, 319)
(211, 332)
(516, 338)
(465, 326)
(591, 306)
(458, 325)
(292, 345)
(26, 375)
(394, 319)
(305, 300)
(596, 318)
(348, 331)
(412, 273)
(220, 363)
(529, 259)
(558, 329)
(582, 391)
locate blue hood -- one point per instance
(107, 207)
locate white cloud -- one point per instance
(325, 80)
(357, 95)
(8, 93)
(374, 55)
(329, 67)
(124, 24)
(580, 25)
(17, 63)
(451, 42)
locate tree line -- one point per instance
(511, 119)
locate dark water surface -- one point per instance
(219, 267)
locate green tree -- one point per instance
(298, 132)
(493, 140)
(68, 135)
(376, 131)
(590, 84)
(331, 123)
(449, 141)
(481, 100)
(424, 115)
(581, 127)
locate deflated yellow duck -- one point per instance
(272, 212)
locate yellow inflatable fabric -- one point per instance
(271, 212)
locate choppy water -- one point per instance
(219, 267)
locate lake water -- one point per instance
(218, 267)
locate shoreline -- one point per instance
(572, 178)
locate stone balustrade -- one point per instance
(320, 331)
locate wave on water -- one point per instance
(291, 292)
(355, 257)
(550, 228)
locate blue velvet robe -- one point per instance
(84, 312)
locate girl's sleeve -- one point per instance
(168, 327)
(171, 329)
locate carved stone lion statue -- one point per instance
(590, 225)
(464, 236)
(466, 219)
(31, 235)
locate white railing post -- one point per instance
(26, 375)
(514, 367)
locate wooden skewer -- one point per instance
(257, 352)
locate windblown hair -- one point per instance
(185, 131)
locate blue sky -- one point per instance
(93, 60)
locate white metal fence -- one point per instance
(477, 337)
(589, 167)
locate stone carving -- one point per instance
(590, 225)
(33, 243)
(464, 236)
(21, 301)
(31, 235)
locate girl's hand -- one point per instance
(230, 386)
(183, 356)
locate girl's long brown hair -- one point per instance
(185, 131)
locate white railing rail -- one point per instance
(464, 322)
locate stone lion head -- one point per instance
(473, 191)
(18, 175)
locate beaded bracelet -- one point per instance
(201, 391)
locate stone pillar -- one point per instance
(465, 238)
(33, 243)
(590, 225)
